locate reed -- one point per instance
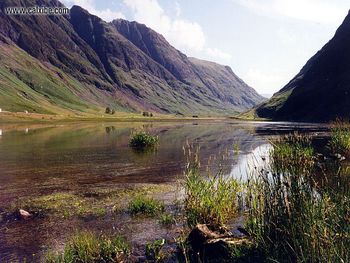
(294, 217)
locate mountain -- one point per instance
(81, 64)
(321, 90)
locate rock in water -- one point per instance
(220, 244)
(24, 214)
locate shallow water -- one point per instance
(37, 160)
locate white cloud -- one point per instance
(266, 82)
(178, 10)
(180, 32)
(218, 54)
(185, 35)
(106, 14)
(318, 11)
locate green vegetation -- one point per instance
(340, 138)
(153, 250)
(89, 248)
(167, 219)
(295, 216)
(212, 200)
(145, 206)
(142, 140)
(292, 153)
(109, 111)
(147, 114)
(66, 204)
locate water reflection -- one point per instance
(80, 157)
(256, 160)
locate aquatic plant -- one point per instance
(340, 138)
(89, 248)
(142, 140)
(293, 217)
(145, 206)
(209, 200)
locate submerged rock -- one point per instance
(24, 214)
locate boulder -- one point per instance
(24, 214)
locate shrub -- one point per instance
(340, 138)
(144, 205)
(89, 248)
(212, 200)
(108, 110)
(142, 140)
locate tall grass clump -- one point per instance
(292, 153)
(340, 138)
(291, 217)
(209, 200)
(89, 248)
(142, 140)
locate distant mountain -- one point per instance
(321, 90)
(79, 63)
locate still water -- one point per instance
(37, 160)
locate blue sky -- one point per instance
(266, 42)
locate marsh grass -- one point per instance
(290, 216)
(87, 247)
(340, 138)
(141, 205)
(209, 200)
(142, 140)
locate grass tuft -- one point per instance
(167, 219)
(142, 140)
(212, 200)
(145, 206)
(90, 248)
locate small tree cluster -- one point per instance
(109, 110)
(147, 114)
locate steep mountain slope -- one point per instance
(79, 63)
(213, 80)
(321, 91)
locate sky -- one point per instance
(265, 42)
